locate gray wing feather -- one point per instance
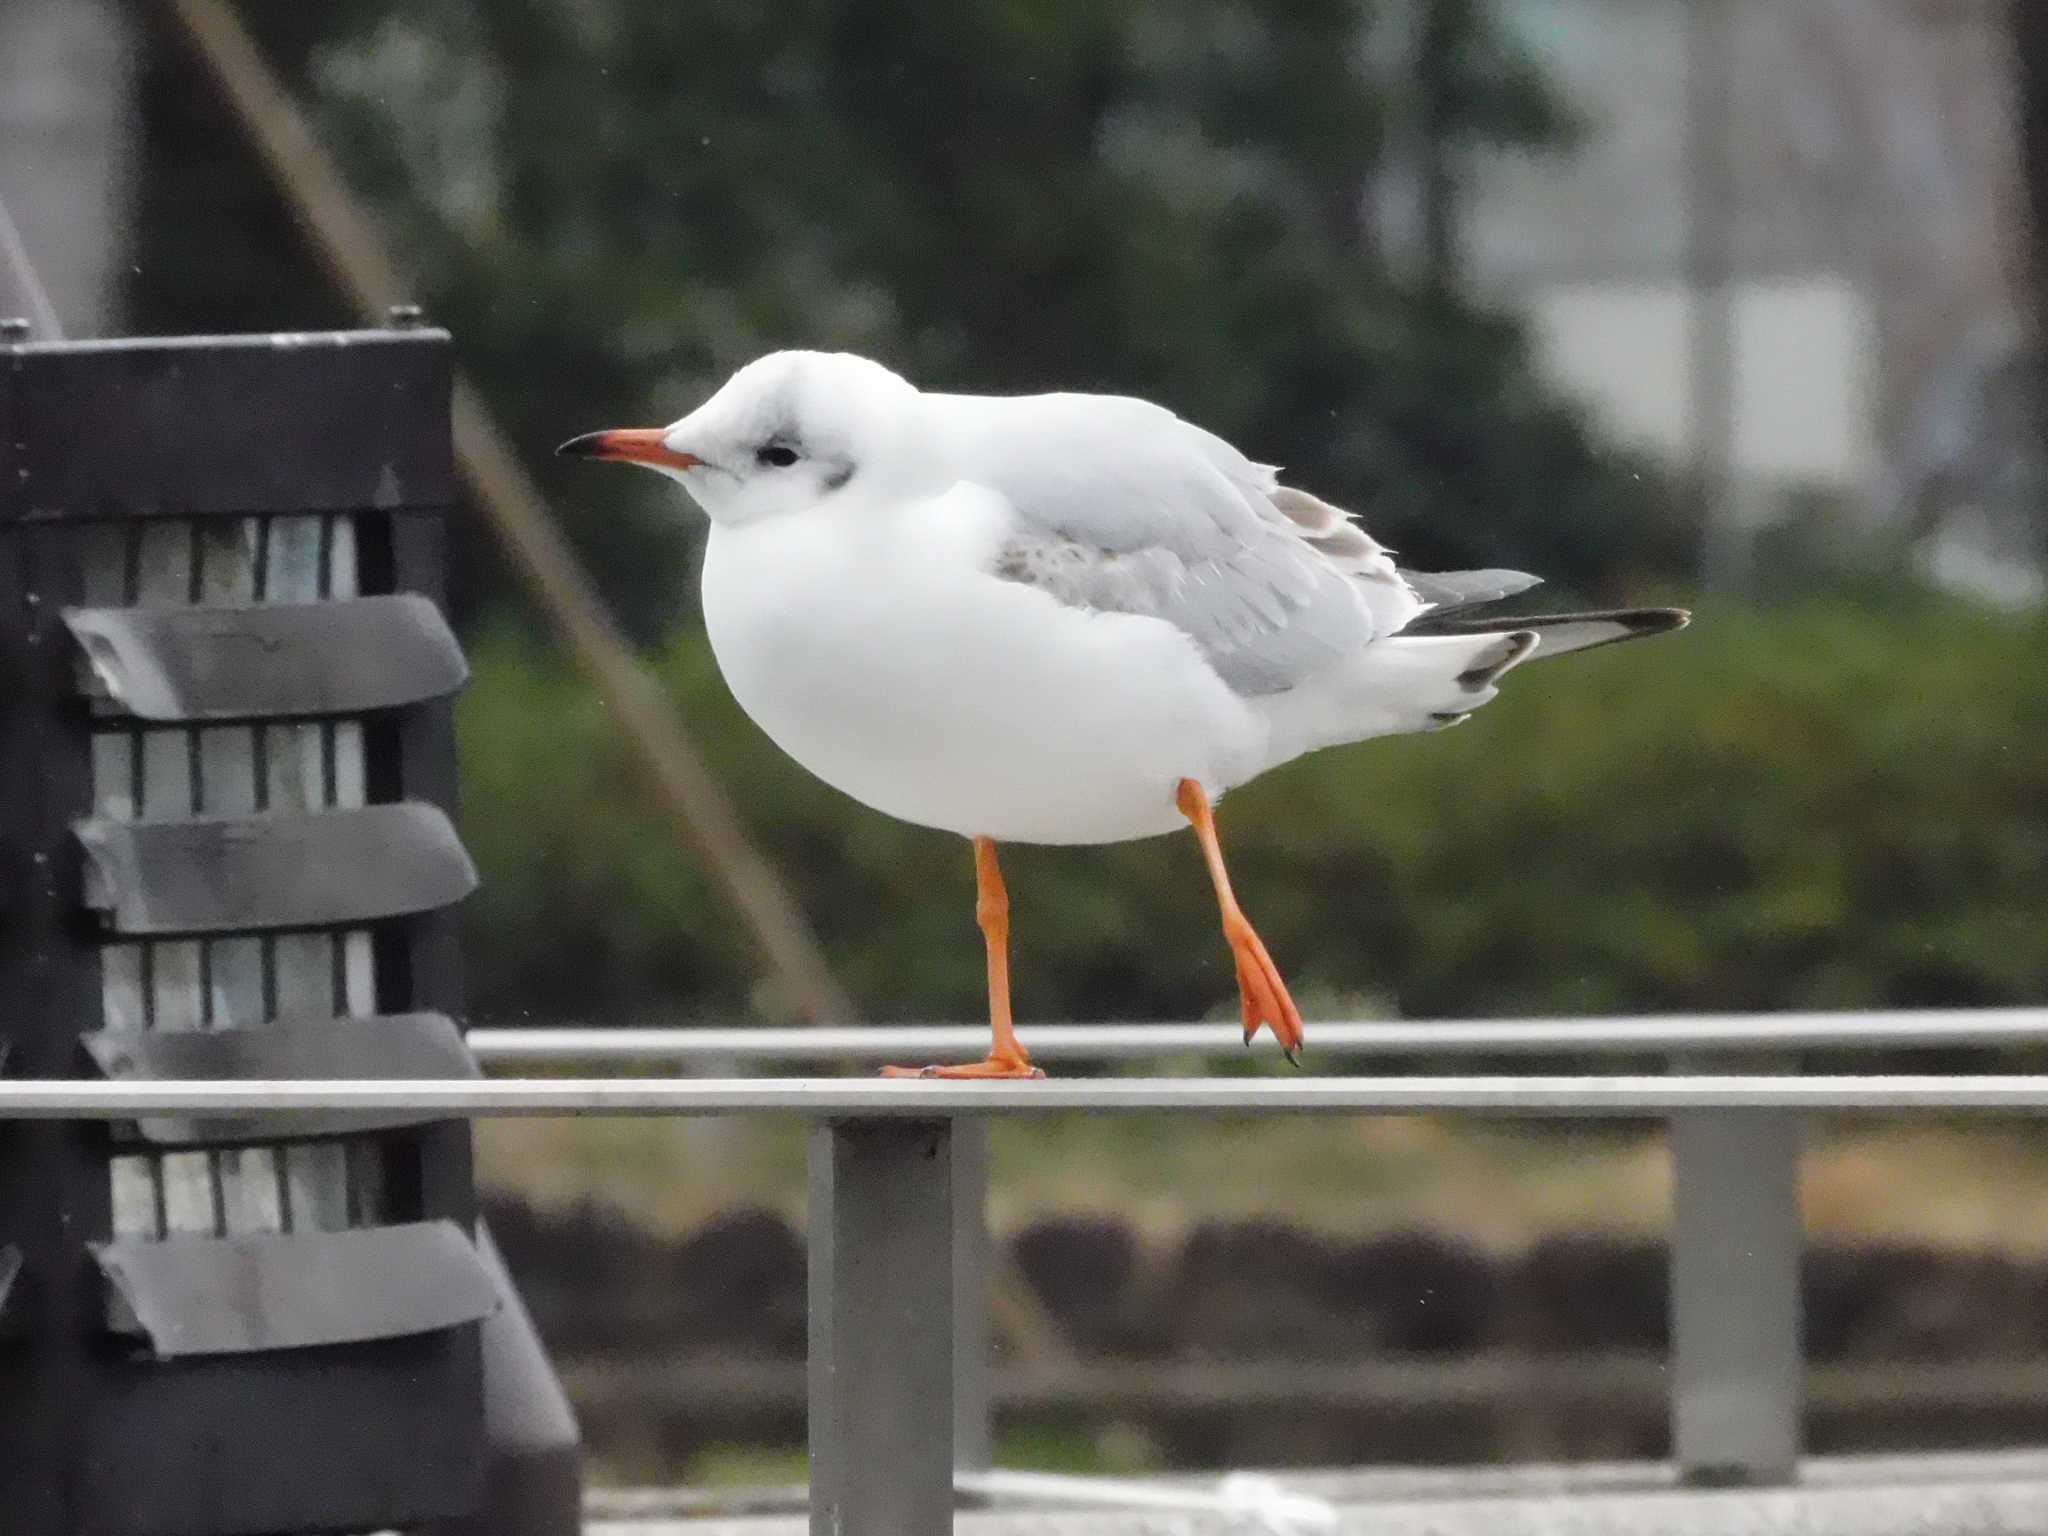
(1447, 591)
(1121, 507)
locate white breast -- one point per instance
(870, 645)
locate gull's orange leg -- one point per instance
(1258, 980)
(1006, 1057)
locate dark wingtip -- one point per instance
(1631, 624)
(1651, 621)
(585, 447)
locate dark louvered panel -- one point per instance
(232, 548)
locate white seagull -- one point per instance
(1057, 618)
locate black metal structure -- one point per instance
(227, 782)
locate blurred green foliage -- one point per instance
(614, 204)
(1812, 806)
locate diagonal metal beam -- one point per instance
(20, 282)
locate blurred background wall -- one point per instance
(68, 132)
(1869, 222)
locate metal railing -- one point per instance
(832, 1099)
(897, 1247)
(1672, 1034)
(1737, 1367)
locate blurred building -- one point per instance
(1870, 222)
(67, 141)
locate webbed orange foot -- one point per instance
(1267, 1001)
(993, 1067)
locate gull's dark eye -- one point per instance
(775, 456)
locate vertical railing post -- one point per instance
(881, 1328)
(1737, 1377)
(973, 1394)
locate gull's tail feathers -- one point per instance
(1435, 673)
(1561, 633)
(1394, 686)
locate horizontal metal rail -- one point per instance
(1655, 1034)
(938, 1099)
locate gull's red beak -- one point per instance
(629, 445)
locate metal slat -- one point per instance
(353, 976)
(165, 568)
(244, 661)
(313, 1177)
(224, 782)
(110, 572)
(239, 1295)
(293, 422)
(215, 874)
(399, 1047)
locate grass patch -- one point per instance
(1500, 1184)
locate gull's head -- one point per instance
(784, 433)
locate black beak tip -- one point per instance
(583, 447)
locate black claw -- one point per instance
(1292, 1053)
(1249, 1031)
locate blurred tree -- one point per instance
(614, 205)
(2028, 25)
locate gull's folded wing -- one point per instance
(1121, 507)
